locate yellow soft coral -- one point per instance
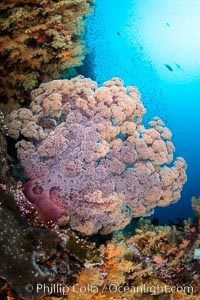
(39, 40)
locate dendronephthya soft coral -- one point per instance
(89, 157)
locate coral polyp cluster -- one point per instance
(39, 40)
(154, 263)
(90, 159)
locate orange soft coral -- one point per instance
(39, 39)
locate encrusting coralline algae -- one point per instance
(89, 158)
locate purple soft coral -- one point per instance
(90, 158)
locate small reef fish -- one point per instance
(178, 66)
(168, 67)
(167, 24)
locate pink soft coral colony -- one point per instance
(90, 159)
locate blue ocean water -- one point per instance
(155, 45)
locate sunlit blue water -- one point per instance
(155, 45)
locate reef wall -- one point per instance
(38, 41)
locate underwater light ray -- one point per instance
(169, 33)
